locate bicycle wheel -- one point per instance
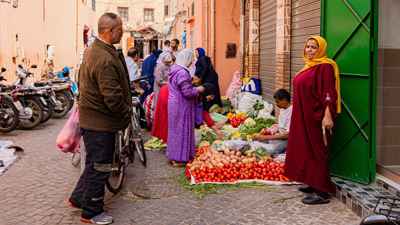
(137, 140)
(120, 162)
(139, 147)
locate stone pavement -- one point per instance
(34, 190)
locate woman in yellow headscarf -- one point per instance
(316, 102)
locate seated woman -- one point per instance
(278, 135)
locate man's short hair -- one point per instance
(133, 52)
(282, 94)
(176, 41)
(167, 42)
(104, 21)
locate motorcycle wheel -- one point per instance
(37, 114)
(66, 105)
(48, 111)
(10, 123)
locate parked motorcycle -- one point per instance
(11, 109)
(29, 98)
(47, 93)
(65, 91)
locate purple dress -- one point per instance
(181, 115)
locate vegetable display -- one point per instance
(229, 166)
(236, 119)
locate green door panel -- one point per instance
(348, 26)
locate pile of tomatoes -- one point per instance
(267, 170)
(236, 119)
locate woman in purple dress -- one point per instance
(181, 110)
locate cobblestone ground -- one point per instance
(34, 190)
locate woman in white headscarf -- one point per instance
(161, 72)
(181, 110)
(159, 127)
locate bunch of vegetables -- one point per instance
(259, 105)
(230, 166)
(236, 119)
(251, 126)
(207, 134)
(226, 107)
(154, 144)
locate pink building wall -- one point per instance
(215, 24)
(227, 30)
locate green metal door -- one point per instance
(350, 29)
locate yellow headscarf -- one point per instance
(321, 58)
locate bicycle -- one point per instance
(127, 142)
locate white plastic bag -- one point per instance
(266, 111)
(247, 101)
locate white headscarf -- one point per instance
(165, 57)
(185, 58)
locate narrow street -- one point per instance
(35, 188)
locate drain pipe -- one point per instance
(214, 25)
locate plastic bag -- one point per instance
(234, 88)
(266, 111)
(237, 145)
(149, 109)
(253, 86)
(68, 140)
(247, 101)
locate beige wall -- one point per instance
(136, 11)
(38, 25)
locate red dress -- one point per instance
(307, 156)
(160, 122)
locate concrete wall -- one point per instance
(39, 23)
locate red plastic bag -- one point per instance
(68, 140)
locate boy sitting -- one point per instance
(276, 137)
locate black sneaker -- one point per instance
(315, 199)
(306, 189)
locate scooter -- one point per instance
(50, 103)
(65, 91)
(11, 109)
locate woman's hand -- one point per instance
(327, 125)
(327, 122)
(218, 132)
(200, 89)
(210, 98)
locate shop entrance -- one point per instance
(388, 123)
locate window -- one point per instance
(123, 13)
(148, 15)
(94, 5)
(166, 10)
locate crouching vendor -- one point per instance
(274, 139)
